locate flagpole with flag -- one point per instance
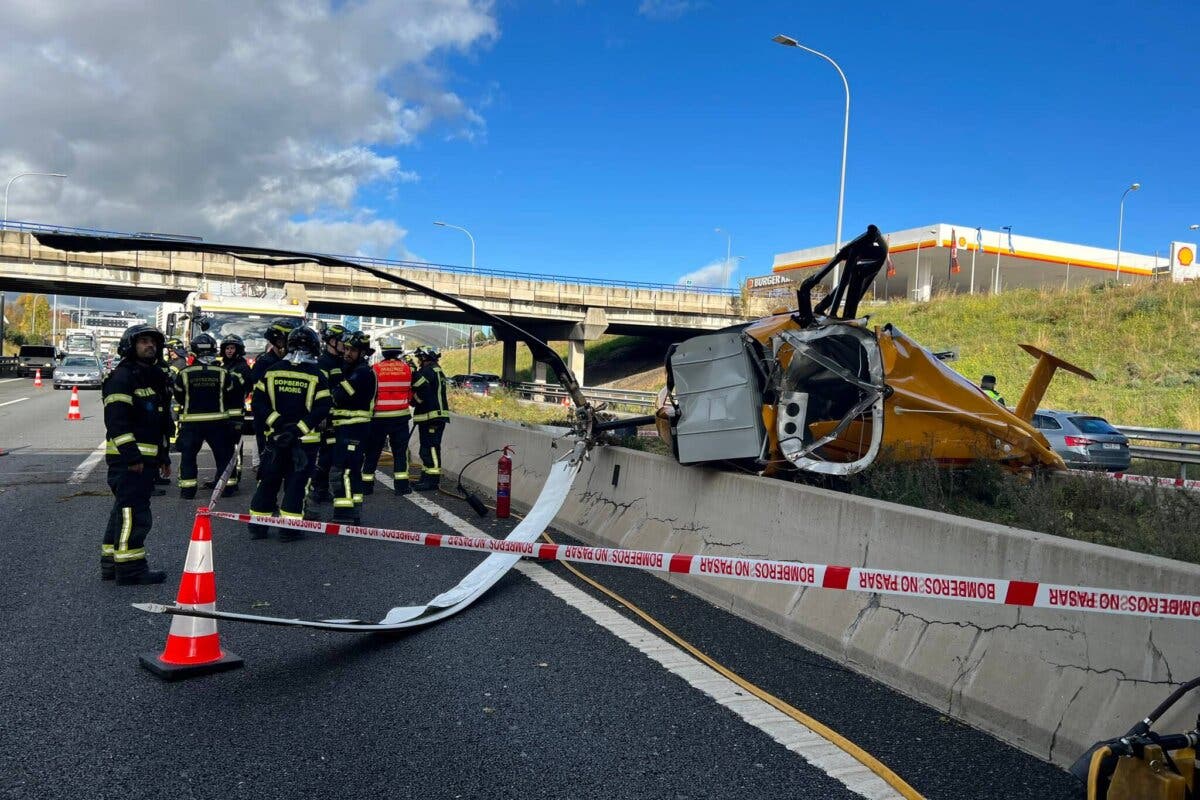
(954, 267)
(890, 272)
(978, 247)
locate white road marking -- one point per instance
(795, 736)
(10, 402)
(10, 380)
(87, 465)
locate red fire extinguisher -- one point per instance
(504, 482)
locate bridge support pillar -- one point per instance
(539, 376)
(575, 359)
(508, 362)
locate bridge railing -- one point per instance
(386, 263)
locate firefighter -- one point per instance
(176, 358)
(277, 338)
(431, 412)
(988, 384)
(290, 402)
(205, 393)
(233, 359)
(331, 362)
(137, 422)
(389, 421)
(353, 402)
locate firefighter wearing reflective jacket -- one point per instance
(210, 398)
(353, 402)
(176, 359)
(233, 359)
(431, 412)
(389, 422)
(137, 421)
(331, 362)
(290, 402)
(277, 338)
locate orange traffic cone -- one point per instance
(566, 401)
(73, 409)
(37, 378)
(193, 645)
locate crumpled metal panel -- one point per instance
(720, 405)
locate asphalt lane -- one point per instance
(519, 696)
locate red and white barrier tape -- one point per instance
(996, 591)
(1145, 480)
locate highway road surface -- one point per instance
(547, 687)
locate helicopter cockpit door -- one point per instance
(834, 377)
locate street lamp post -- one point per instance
(470, 328)
(999, 246)
(22, 175)
(917, 273)
(788, 41)
(728, 255)
(1133, 187)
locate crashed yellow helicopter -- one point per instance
(817, 390)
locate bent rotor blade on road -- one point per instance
(448, 603)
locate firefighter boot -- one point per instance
(137, 574)
(289, 534)
(108, 568)
(402, 487)
(320, 494)
(427, 482)
(189, 493)
(259, 531)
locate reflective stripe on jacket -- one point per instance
(354, 396)
(429, 394)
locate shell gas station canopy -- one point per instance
(963, 259)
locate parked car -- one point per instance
(471, 382)
(37, 356)
(493, 380)
(1083, 441)
(82, 371)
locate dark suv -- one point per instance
(37, 356)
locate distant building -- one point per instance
(106, 326)
(963, 259)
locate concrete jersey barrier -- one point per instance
(1049, 682)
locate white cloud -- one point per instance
(255, 122)
(667, 9)
(716, 273)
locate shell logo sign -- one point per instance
(962, 242)
(1183, 262)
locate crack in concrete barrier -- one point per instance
(1058, 727)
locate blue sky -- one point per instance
(618, 135)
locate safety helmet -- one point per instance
(391, 348)
(281, 328)
(360, 341)
(236, 341)
(335, 332)
(304, 340)
(125, 347)
(204, 345)
(431, 353)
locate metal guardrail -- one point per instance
(1177, 455)
(628, 397)
(37, 227)
(9, 365)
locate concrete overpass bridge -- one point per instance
(553, 308)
